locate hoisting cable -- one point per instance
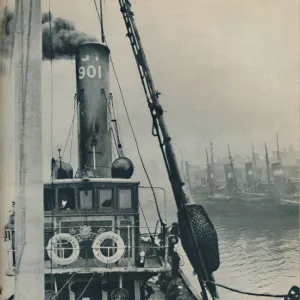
(132, 130)
(137, 146)
(155, 110)
(86, 286)
(72, 125)
(100, 16)
(146, 223)
(119, 122)
(53, 298)
(102, 25)
(121, 153)
(248, 293)
(187, 215)
(72, 135)
(142, 162)
(115, 121)
(116, 139)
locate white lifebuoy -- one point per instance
(52, 246)
(109, 235)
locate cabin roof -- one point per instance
(92, 180)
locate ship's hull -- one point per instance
(255, 207)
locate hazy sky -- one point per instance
(228, 70)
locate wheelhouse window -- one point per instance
(125, 199)
(49, 199)
(86, 199)
(66, 199)
(105, 198)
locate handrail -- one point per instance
(164, 191)
(128, 252)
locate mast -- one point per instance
(211, 192)
(182, 166)
(268, 167)
(212, 161)
(188, 176)
(277, 147)
(253, 155)
(232, 169)
(29, 210)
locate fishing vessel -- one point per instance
(79, 236)
(260, 197)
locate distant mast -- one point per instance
(188, 176)
(278, 149)
(182, 166)
(212, 160)
(253, 155)
(268, 167)
(232, 170)
(209, 175)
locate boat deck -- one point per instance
(187, 273)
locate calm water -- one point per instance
(258, 255)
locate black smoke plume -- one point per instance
(60, 40)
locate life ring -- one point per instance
(51, 250)
(109, 235)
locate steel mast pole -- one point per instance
(29, 220)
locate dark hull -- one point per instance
(222, 206)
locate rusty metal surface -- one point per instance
(92, 78)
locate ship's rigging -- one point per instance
(190, 215)
(159, 130)
(233, 178)
(268, 169)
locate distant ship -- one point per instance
(270, 197)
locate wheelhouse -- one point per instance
(94, 197)
(94, 225)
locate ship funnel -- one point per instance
(249, 174)
(229, 178)
(94, 140)
(279, 178)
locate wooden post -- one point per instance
(29, 220)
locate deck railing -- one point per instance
(106, 249)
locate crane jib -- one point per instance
(193, 237)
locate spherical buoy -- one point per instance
(122, 168)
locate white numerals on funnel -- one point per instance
(90, 71)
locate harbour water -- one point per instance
(258, 254)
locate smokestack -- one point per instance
(62, 43)
(229, 178)
(279, 178)
(249, 174)
(94, 140)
